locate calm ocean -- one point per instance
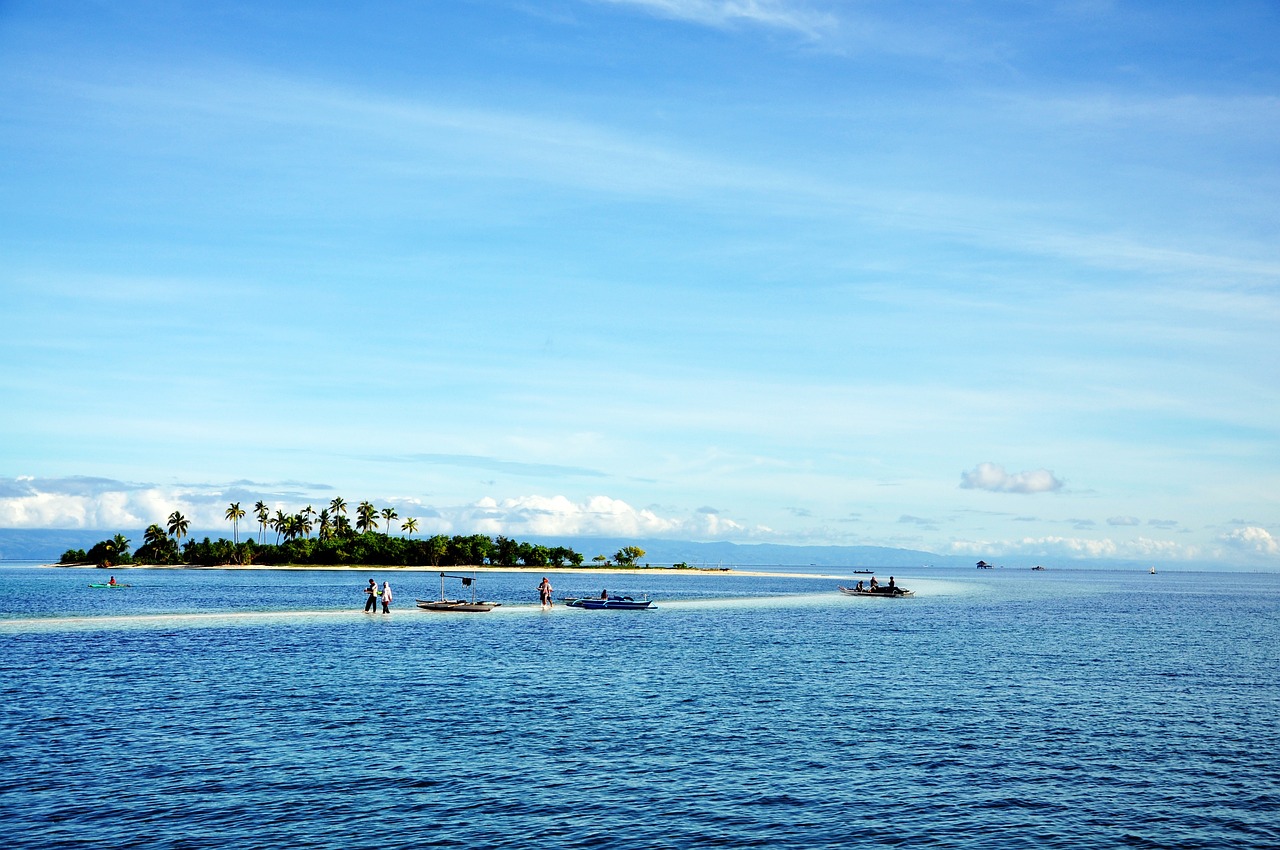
(1001, 709)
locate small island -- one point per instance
(337, 542)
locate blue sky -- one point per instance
(994, 278)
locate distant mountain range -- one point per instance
(48, 544)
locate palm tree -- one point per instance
(264, 516)
(339, 506)
(409, 526)
(366, 517)
(156, 544)
(153, 535)
(178, 525)
(278, 523)
(121, 544)
(235, 513)
(303, 524)
(389, 514)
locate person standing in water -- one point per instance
(371, 600)
(386, 597)
(544, 593)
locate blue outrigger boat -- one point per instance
(611, 603)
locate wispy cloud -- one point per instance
(510, 467)
(992, 476)
(414, 136)
(725, 14)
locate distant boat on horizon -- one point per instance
(1153, 570)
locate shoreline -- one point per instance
(600, 571)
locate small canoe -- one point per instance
(117, 584)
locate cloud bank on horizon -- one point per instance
(114, 506)
(752, 270)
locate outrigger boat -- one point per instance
(886, 592)
(611, 603)
(105, 584)
(443, 604)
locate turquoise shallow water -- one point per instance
(1003, 709)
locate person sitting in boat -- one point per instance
(892, 587)
(604, 594)
(112, 581)
(858, 587)
(875, 585)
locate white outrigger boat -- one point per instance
(443, 604)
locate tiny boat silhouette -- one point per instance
(884, 592)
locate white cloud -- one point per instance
(110, 505)
(558, 516)
(722, 14)
(992, 476)
(28, 502)
(1123, 520)
(1252, 539)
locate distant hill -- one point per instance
(48, 545)
(756, 554)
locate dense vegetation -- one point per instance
(337, 541)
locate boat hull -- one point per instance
(609, 604)
(879, 593)
(460, 605)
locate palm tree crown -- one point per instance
(264, 516)
(235, 513)
(366, 517)
(178, 525)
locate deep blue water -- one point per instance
(1002, 709)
